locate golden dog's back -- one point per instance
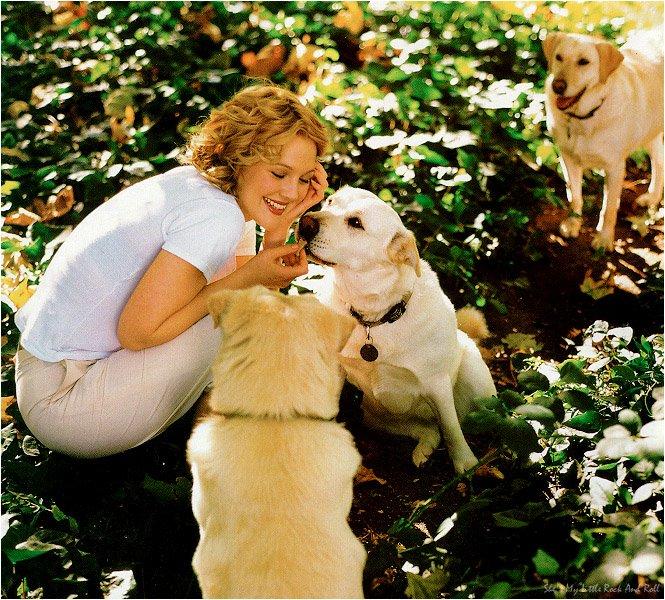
(274, 506)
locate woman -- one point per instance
(116, 342)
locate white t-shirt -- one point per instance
(75, 310)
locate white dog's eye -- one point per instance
(355, 223)
(558, 57)
(582, 62)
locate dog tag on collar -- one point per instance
(369, 352)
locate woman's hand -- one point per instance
(275, 267)
(317, 187)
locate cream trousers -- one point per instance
(90, 409)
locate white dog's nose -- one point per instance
(308, 227)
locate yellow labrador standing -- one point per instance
(602, 104)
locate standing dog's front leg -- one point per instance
(572, 172)
(614, 176)
(655, 192)
(440, 394)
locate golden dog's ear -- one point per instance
(550, 43)
(218, 304)
(610, 59)
(403, 250)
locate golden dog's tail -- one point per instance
(472, 322)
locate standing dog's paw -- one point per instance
(421, 453)
(603, 240)
(463, 461)
(650, 199)
(570, 227)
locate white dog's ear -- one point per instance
(218, 305)
(403, 250)
(610, 59)
(550, 43)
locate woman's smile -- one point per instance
(276, 208)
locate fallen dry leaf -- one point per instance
(266, 62)
(21, 293)
(302, 61)
(350, 18)
(7, 401)
(365, 475)
(21, 218)
(597, 288)
(56, 206)
(203, 20)
(489, 471)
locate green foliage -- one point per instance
(439, 110)
(581, 504)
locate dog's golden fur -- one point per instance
(272, 472)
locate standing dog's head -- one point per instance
(576, 64)
(358, 231)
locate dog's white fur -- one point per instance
(273, 478)
(427, 367)
(627, 84)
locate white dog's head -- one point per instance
(279, 354)
(357, 231)
(576, 64)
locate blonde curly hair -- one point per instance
(253, 126)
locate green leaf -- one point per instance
(511, 397)
(535, 412)
(571, 372)
(508, 522)
(431, 156)
(501, 589)
(519, 436)
(424, 201)
(522, 341)
(426, 587)
(588, 421)
(546, 565)
(422, 90)
(481, 421)
(532, 381)
(576, 399)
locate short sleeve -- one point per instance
(247, 245)
(204, 234)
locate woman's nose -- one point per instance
(289, 189)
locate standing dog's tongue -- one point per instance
(564, 102)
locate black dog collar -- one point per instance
(589, 114)
(369, 352)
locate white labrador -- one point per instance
(427, 371)
(602, 104)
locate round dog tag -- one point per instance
(369, 353)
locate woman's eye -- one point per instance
(582, 62)
(558, 57)
(355, 223)
(305, 181)
(278, 175)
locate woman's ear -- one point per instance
(402, 249)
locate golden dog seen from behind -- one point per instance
(273, 471)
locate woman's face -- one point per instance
(265, 189)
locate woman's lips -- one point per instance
(274, 207)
